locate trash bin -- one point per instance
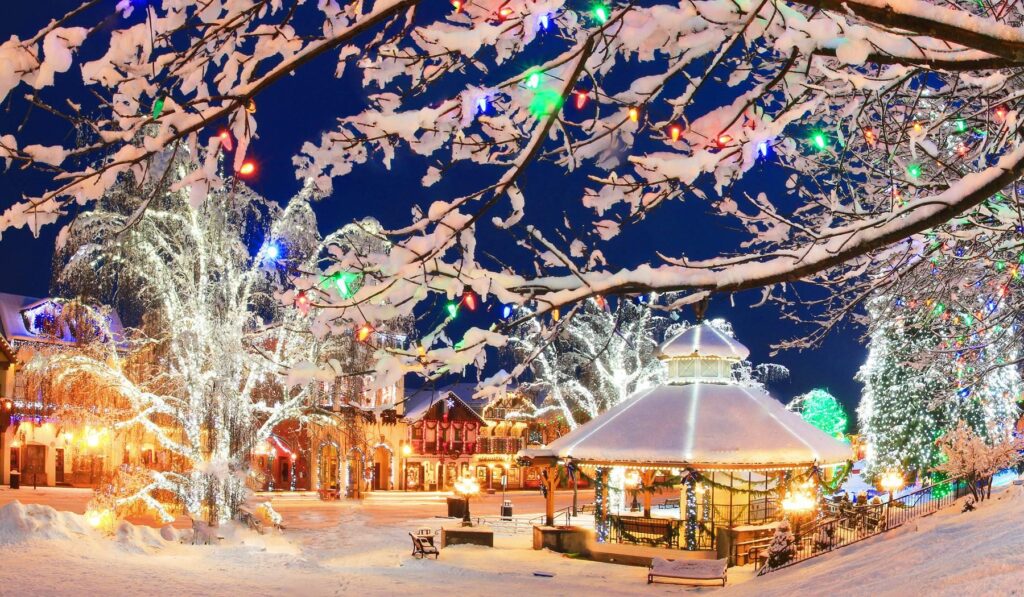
(15, 479)
(456, 507)
(506, 510)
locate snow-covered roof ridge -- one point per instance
(703, 340)
(14, 328)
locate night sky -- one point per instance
(304, 105)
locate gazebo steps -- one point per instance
(641, 555)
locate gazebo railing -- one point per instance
(639, 530)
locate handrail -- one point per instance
(854, 523)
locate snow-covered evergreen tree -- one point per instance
(821, 409)
(782, 548)
(914, 392)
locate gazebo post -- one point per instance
(647, 486)
(550, 479)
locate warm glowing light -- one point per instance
(634, 114)
(505, 13)
(469, 299)
(247, 169)
(457, 5)
(98, 518)
(891, 481)
(798, 501)
(225, 140)
(724, 140)
(364, 332)
(581, 99)
(406, 450)
(467, 486)
(250, 107)
(675, 131)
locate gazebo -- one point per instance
(730, 448)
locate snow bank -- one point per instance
(23, 523)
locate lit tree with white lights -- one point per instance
(595, 358)
(218, 361)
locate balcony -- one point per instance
(500, 445)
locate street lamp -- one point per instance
(798, 504)
(891, 482)
(406, 451)
(466, 487)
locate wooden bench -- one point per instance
(423, 546)
(248, 518)
(329, 495)
(688, 570)
(669, 503)
(648, 531)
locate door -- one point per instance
(376, 476)
(59, 464)
(35, 465)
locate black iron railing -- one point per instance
(846, 524)
(656, 532)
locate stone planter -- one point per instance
(562, 539)
(467, 536)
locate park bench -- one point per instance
(423, 545)
(669, 503)
(329, 494)
(649, 531)
(688, 570)
(247, 517)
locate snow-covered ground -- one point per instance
(345, 548)
(948, 553)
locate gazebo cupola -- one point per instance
(701, 354)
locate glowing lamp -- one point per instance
(634, 114)
(158, 107)
(917, 127)
(467, 486)
(556, 315)
(406, 450)
(247, 169)
(98, 518)
(581, 99)
(891, 481)
(302, 302)
(469, 299)
(364, 332)
(674, 131)
(724, 140)
(225, 140)
(819, 140)
(505, 13)
(1001, 112)
(799, 500)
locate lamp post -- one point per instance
(467, 487)
(798, 504)
(406, 451)
(891, 481)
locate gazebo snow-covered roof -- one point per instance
(702, 419)
(700, 426)
(703, 340)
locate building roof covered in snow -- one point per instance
(418, 401)
(703, 340)
(24, 319)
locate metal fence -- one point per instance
(846, 524)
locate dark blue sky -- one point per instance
(300, 107)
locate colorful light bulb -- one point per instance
(247, 169)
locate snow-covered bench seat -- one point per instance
(692, 570)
